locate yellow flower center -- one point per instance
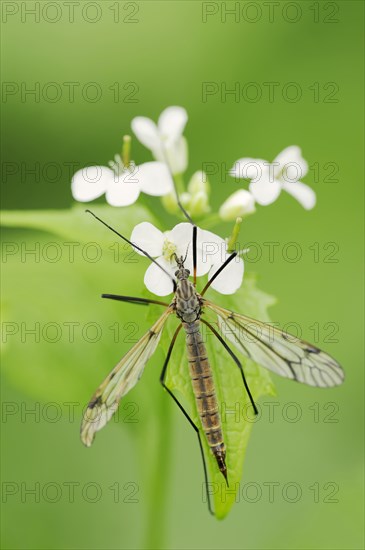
(168, 250)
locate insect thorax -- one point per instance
(187, 302)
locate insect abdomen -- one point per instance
(204, 391)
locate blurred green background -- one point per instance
(143, 57)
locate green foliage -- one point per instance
(236, 411)
(75, 224)
(49, 296)
(57, 294)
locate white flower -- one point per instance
(165, 140)
(121, 184)
(268, 179)
(239, 204)
(211, 254)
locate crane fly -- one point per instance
(268, 347)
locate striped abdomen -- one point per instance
(204, 391)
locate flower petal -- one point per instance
(265, 190)
(302, 192)
(203, 263)
(210, 250)
(171, 123)
(230, 279)
(175, 154)
(290, 164)
(156, 280)
(148, 237)
(91, 182)
(146, 131)
(249, 168)
(181, 235)
(154, 178)
(178, 156)
(209, 246)
(124, 190)
(241, 203)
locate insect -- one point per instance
(269, 347)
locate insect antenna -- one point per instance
(186, 255)
(134, 246)
(187, 216)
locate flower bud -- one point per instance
(199, 204)
(199, 183)
(185, 199)
(240, 204)
(170, 203)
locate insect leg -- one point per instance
(195, 233)
(134, 300)
(162, 380)
(228, 260)
(235, 359)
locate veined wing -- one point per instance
(122, 378)
(277, 350)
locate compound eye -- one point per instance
(187, 272)
(176, 273)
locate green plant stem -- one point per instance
(211, 220)
(159, 474)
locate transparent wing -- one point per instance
(278, 351)
(122, 378)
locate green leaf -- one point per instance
(235, 408)
(59, 338)
(52, 315)
(75, 224)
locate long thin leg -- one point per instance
(134, 300)
(235, 359)
(134, 245)
(228, 260)
(195, 234)
(162, 380)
